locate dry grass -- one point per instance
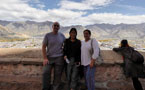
(12, 39)
(107, 40)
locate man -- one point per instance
(53, 57)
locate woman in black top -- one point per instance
(131, 69)
(72, 55)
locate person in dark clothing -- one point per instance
(72, 55)
(131, 69)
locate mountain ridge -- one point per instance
(101, 31)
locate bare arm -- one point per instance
(45, 62)
(44, 51)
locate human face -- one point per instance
(56, 27)
(73, 34)
(87, 35)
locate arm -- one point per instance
(45, 42)
(45, 61)
(79, 52)
(95, 46)
(118, 49)
(95, 55)
(64, 48)
(44, 51)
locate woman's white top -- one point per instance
(86, 49)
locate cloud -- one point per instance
(65, 14)
(74, 5)
(36, 3)
(111, 18)
(97, 2)
(21, 10)
(41, 6)
(134, 8)
(84, 4)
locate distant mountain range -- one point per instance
(26, 29)
(5, 33)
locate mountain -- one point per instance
(30, 28)
(100, 31)
(128, 31)
(6, 33)
(79, 28)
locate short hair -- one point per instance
(124, 43)
(55, 23)
(87, 30)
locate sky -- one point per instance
(74, 12)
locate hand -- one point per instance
(65, 57)
(92, 63)
(78, 63)
(45, 62)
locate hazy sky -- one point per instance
(74, 12)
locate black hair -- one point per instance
(89, 31)
(124, 43)
(73, 29)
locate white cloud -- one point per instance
(134, 8)
(111, 18)
(41, 6)
(74, 5)
(20, 10)
(36, 3)
(65, 17)
(114, 18)
(84, 5)
(97, 2)
(63, 14)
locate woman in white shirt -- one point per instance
(89, 54)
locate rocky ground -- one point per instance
(105, 44)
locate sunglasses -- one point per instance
(56, 25)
